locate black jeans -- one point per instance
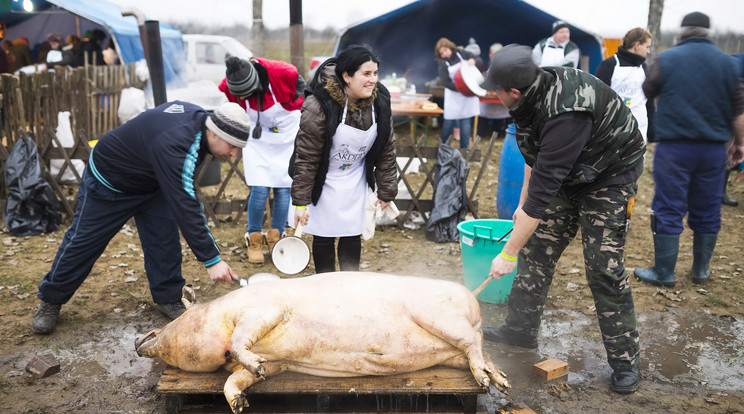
(349, 253)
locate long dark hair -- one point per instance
(352, 58)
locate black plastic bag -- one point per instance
(450, 195)
(32, 207)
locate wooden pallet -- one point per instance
(430, 390)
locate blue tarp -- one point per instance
(79, 16)
(405, 37)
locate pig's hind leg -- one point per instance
(239, 380)
(467, 337)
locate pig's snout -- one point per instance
(142, 343)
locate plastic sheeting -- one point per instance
(404, 38)
(79, 16)
(31, 207)
(450, 195)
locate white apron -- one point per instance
(266, 160)
(553, 56)
(341, 208)
(627, 82)
(457, 105)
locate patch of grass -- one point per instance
(11, 279)
(716, 301)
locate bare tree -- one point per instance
(257, 32)
(655, 9)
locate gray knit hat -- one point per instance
(511, 67)
(56, 38)
(231, 123)
(558, 25)
(242, 77)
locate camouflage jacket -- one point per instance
(614, 152)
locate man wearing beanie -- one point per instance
(270, 92)
(145, 170)
(558, 49)
(700, 104)
(583, 153)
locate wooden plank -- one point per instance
(429, 381)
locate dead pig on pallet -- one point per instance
(343, 324)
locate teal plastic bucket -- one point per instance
(478, 243)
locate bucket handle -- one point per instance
(475, 231)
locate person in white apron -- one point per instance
(558, 49)
(273, 97)
(457, 107)
(59, 54)
(625, 72)
(345, 148)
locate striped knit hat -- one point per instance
(231, 123)
(242, 77)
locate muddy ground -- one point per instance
(691, 337)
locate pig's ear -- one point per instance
(188, 297)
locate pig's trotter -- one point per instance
(260, 372)
(239, 403)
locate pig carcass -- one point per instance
(342, 324)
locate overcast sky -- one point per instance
(608, 18)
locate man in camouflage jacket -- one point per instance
(583, 154)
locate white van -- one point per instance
(206, 54)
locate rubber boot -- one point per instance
(255, 247)
(725, 199)
(666, 248)
(272, 237)
(702, 250)
(625, 381)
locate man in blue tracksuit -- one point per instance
(145, 169)
(700, 103)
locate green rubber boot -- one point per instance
(666, 248)
(702, 250)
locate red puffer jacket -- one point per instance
(283, 83)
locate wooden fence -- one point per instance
(29, 104)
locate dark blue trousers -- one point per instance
(689, 180)
(99, 215)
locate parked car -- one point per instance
(314, 63)
(206, 54)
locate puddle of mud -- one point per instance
(111, 353)
(679, 347)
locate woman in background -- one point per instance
(625, 72)
(456, 105)
(345, 145)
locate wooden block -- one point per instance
(43, 365)
(550, 369)
(515, 407)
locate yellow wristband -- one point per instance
(301, 207)
(507, 257)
